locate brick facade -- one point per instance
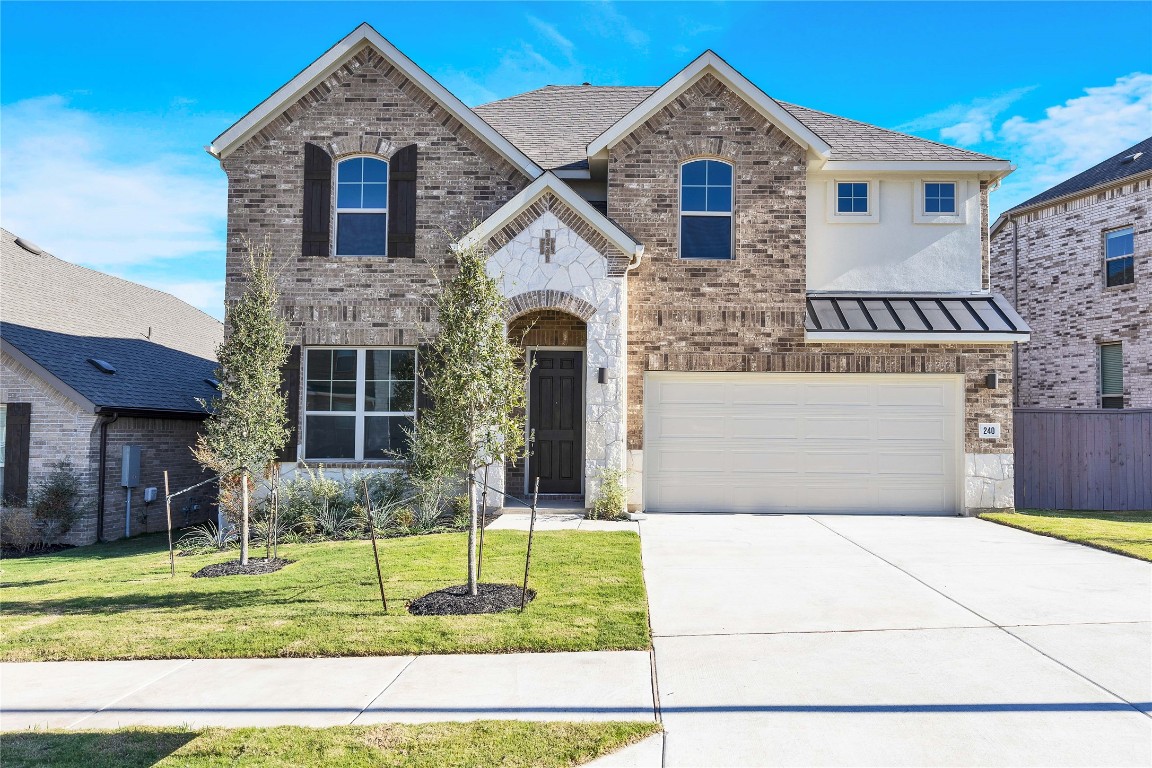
(747, 314)
(61, 429)
(1063, 297)
(366, 105)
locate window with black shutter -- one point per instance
(317, 202)
(402, 193)
(17, 441)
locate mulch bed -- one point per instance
(256, 566)
(455, 601)
(8, 553)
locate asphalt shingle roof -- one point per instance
(1113, 169)
(554, 125)
(60, 314)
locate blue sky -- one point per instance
(105, 107)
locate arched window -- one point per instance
(706, 210)
(362, 207)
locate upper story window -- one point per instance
(940, 197)
(1119, 257)
(706, 210)
(851, 197)
(1112, 375)
(362, 207)
(359, 402)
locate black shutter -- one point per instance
(17, 438)
(290, 387)
(317, 202)
(402, 204)
(424, 359)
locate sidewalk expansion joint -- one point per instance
(383, 690)
(134, 691)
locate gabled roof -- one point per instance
(56, 316)
(1135, 160)
(545, 184)
(336, 56)
(709, 63)
(554, 124)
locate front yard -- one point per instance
(117, 601)
(1128, 533)
(433, 745)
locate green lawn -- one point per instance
(506, 744)
(117, 601)
(1128, 533)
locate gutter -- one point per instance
(105, 420)
(634, 259)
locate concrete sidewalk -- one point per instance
(323, 692)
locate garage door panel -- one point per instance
(745, 442)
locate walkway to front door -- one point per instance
(556, 409)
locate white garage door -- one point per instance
(764, 442)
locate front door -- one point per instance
(555, 405)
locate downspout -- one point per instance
(634, 259)
(1016, 304)
(105, 420)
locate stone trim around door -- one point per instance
(548, 265)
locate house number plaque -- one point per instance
(990, 431)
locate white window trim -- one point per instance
(1132, 255)
(337, 210)
(681, 213)
(920, 216)
(872, 216)
(359, 413)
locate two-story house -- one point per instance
(1075, 260)
(749, 305)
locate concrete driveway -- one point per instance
(860, 641)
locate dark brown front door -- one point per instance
(555, 406)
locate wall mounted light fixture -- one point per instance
(991, 380)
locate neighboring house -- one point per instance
(1077, 262)
(750, 305)
(91, 364)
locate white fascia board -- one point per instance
(709, 62)
(915, 338)
(1000, 168)
(533, 192)
(336, 56)
(49, 378)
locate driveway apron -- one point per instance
(859, 641)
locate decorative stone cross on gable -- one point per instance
(547, 246)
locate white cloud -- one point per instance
(606, 20)
(967, 123)
(552, 35)
(110, 193)
(1077, 134)
(129, 194)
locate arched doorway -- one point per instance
(554, 345)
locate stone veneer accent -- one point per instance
(577, 280)
(747, 314)
(1062, 296)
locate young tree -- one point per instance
(475, 380)
(248, 423)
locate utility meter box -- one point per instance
(150, 495)
(130, 466)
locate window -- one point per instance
(851, 197)
(362, 207)
(939, 197)
(3, 444)
(1119, 257)
(1111, 375)
(706, 210)
(358, 403)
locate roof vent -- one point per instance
(1129, 159)
(212, 383)
(29, 246)
(102, 365)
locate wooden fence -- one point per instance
(1083, 459)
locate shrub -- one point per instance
(207, 538)
(611, 501)
(19, 530)
(57, 502)
(311, 502)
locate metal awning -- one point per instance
(942, 318)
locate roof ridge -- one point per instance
(1046, 196)
(786, 105)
